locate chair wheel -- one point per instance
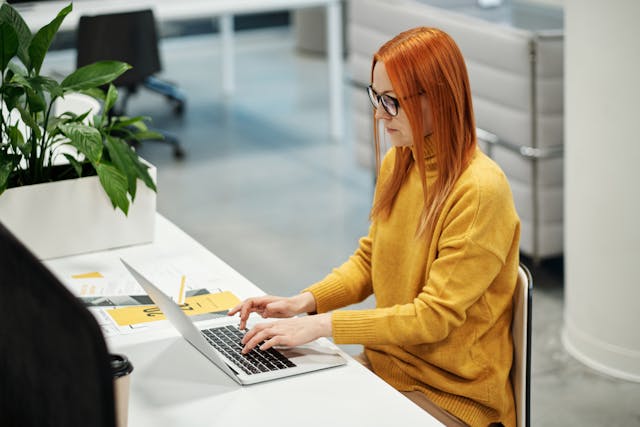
(178, 108)
(178, 153)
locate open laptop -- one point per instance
(221, 345)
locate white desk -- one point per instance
(41, 13)
(174, 385)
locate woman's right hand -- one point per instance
(272, 306)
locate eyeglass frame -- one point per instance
(377, 100)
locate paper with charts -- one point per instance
(122, 307)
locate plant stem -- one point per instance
(45, 145)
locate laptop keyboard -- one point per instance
(226, 339)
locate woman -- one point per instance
(441, 256)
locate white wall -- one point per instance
(602, 185)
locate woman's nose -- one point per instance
(381, 113)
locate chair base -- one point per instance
(172, 93)
(169, 90)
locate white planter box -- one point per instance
(75, 216)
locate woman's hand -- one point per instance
(288, 332)
(272, 306)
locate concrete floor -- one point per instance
(265, 188)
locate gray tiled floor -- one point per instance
(265, 188)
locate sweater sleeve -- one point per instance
(476, 232)
(434, 313)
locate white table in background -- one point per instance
(174, 385)
(38, 14)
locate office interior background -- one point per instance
(265, 187)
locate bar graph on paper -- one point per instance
(113, 296)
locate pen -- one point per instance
(181, 295)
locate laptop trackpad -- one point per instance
(170, 371)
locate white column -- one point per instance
(226, 42)
(334, 59)
(602, 185)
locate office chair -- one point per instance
(54, 365)
(130, 37)
(521, 333)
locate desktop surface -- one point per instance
(173, 384)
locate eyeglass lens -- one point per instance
(389, 103)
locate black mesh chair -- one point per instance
(55, 368)
(130, 37)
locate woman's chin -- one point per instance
(399, 142)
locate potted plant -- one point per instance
(34, 138)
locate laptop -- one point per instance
(220, 344)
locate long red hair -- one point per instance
(427, 61)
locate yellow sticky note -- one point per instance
(199, 304)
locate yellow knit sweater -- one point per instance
(445, 334)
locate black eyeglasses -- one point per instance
(389, 103)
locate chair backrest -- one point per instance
(521, 333)
(128, 36)
(54, 364)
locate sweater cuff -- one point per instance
(329, 294)
(353, 327)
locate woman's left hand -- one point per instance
(288, 332)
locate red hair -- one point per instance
(428, 62)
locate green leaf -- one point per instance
(85, 139)
(70, 117)
(114, 184)
(126, 159)
(75, 163)
(18, 68)
(11, 16)
(140, 125)
(123, 122)
(46, 84)
(8, 163)
(93, 75)
(141, 136)
(94, 92)
(97, 121)
(20, 80)
(142, 170)
(36, 100)
(8, 45)
(54, 122)
(12, 95)
(118, 152)
(42, 40)
(110, 100)
(134, 128)
(30, 121)
(15, 138)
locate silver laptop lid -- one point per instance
(180, 321)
